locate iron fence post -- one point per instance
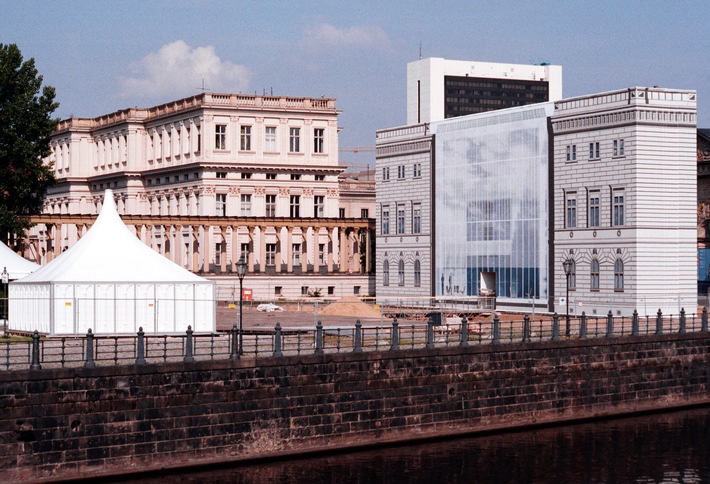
(277, 341)
(659, 322)
(35, 365)
(704, 321)
(583, 326)
(464, 331)
(635, 324)
(395, 335)
(188, 346)
(140, 347)
(681, 323)
(319, 338)
(555, 327)
(526, 329)
(496, 330)
(89, 363)
(234, 349)
(609, 325)
(358, 337)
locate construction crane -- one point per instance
(358, 149)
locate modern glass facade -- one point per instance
(491, 204)
(470, 95)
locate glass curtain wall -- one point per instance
(491, 203)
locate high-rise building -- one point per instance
(440, 88)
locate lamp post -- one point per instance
(241, 272)
(5, 281)
(567, 265)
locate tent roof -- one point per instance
(109, 252)
(16, 265)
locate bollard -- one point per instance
(526, 329)
(496, 330)
(319, 338)
(704, 321)
(659, 322)
(430, 333)
(234, 350)
(140, 347)
(188, 346)
(555, 327)
(635, 324)
(395, 335)
(358, 337)
(464, 331)
(277, 341)
(35, 352)
(609, 325)
(90, 363)
(681, 326)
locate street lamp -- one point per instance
(241, 272)
(5, 281)
(567, 265)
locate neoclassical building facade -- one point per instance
(211, 178)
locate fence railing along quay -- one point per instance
(91, 350)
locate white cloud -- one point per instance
(177, 70)
(363, 36)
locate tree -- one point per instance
(25, 126)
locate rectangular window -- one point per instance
(221, 174)
(218, 254)
(271, 176)
(318, 137)
(318, 206)
(364, 213)
(385, 220)
(295, 206)
(270, 205)
(270, 139)
(245, 138)
(400, 219)
(319, 177)
(417, 273)
(571, 212)
(594, 198)
(417, 170)
(295, 176)
(294, 140)
(244, 252)
(296, 254)
(321, 254)
(304, 290)
(417, 218)
(618, 147)
(386, 173)
(270, 254)
(594, 275)
(245, 205)
(593, 150)
(341, 212)
(246, 176)
(571, 153)
(221, 204)
(400, 172)
(220, 137)
(618, 207)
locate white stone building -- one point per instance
(208, 179)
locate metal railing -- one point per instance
(91, 350)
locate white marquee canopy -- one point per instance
(16, 265)
(111, 282)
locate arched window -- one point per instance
(594, 275)
(619, 275)
(386, 273)
(400, 272)
(417, 273)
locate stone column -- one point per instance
(289, 249)
(368, 250)
(277, 261)
(343, 246)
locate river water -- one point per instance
(658, 448)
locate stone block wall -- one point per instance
(68, 423)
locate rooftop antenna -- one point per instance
(203, 88)
(420, 51)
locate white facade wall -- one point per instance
(425, 82)
(657, 173)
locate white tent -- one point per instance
(111, 282)
(16, 265)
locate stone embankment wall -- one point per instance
(71, 423)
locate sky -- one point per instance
(104, 56)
